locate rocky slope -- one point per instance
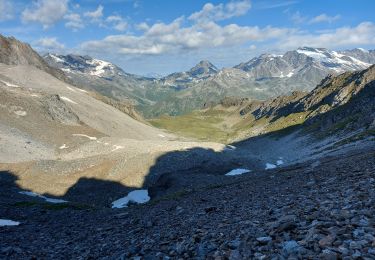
(14, 52)
(322, 209)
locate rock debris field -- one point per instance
(314, 210)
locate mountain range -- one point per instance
(262, 77)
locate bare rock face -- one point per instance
(59, 111)
(14, 52)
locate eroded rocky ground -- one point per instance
(316, 210)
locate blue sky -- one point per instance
(164, 36)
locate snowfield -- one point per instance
(238, 171)
(136, 196)
(36, 195)
(7, 222)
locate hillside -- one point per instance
(336, 103)
(14, 52)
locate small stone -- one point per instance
(286, 226)
(210, 209)
(343, 250)
(234, 254)
(329, 255)
(264, 240)
(326, 241)
(291, 247)
(357, 254)
(234, 244)
(355, 245)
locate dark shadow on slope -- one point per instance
(191, 168)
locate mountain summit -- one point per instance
(203, 69)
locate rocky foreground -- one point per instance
(318, 210)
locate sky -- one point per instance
(158, 37)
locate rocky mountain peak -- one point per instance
(204, 68)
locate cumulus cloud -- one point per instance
(6, 10)
(163, 38)
(325, 18)
(49, 44)
(219, 12)
(117, 22)
(362, 34)
(95, 15)
(46, 12)
(74, 21)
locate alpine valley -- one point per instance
(273, 158)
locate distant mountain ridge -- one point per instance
(263, 77)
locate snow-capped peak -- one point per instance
(363, 50)
(83, 64)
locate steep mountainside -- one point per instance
(14, 52)
(260, 78)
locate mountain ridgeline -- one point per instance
(260, 78)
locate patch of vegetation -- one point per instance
(202, 126)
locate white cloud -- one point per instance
(298, 18)
(271, 5)
(95, 15)
(49, 44)
(74, 21)
(324, 18)
(142, 26)
(6, 10)
(46, 12)
(163, 38)
(117, 22)
(219, 12)
(362, 34)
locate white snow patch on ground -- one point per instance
(230, 148)
(7, 222)
(117, 147)
(71, 89)
(67, 70)
(279, 162)
(10, 84)
(162, 136)
(270, 166)
(33, 194)
(68, 100)
(238, 171)
(64, 146)
(136, 196)
(20, 113)
(34, 95)
(82, 90)
(93, 138)
(290, 74)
